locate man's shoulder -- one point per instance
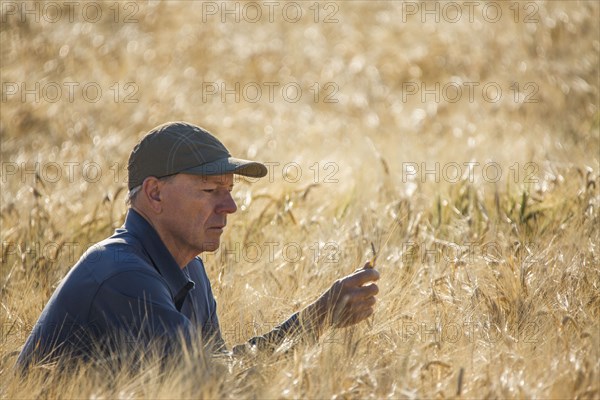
(115, 255)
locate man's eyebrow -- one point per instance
(222, 183)
(209, 179)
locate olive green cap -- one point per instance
(180, 147)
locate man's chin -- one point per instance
(210, 246)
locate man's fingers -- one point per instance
(352, 298)
(369, 302)
(361, 277)
(362, 292)
(358, 303)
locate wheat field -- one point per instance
(461, 139)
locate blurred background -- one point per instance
(306, 82)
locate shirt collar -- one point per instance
(179, 283)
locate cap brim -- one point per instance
(229, 165)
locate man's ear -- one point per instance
(151, 192)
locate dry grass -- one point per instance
(488, 289)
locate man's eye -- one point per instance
(208, 190)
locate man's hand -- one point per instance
(350, 300)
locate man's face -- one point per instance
(195, 211)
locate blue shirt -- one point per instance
(128, 288)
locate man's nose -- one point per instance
(227, 204)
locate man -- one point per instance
(146, 283)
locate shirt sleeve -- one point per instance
(282, 337)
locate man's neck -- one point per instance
(182, 258)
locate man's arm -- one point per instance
(347, 302)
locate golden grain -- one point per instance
(489, 288)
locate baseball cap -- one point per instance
(181, 147)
